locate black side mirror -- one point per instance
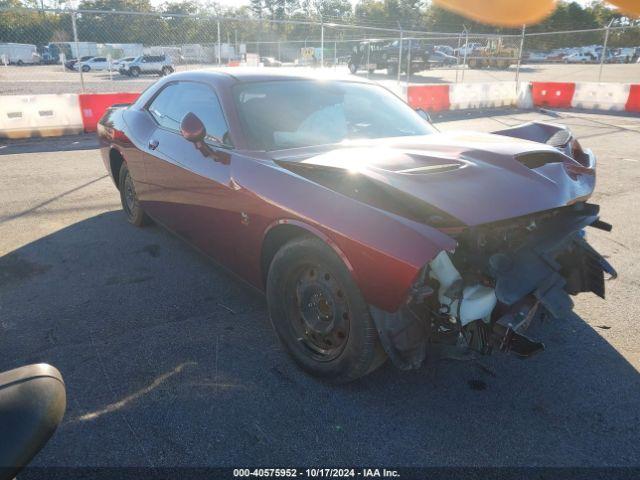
(424, 114)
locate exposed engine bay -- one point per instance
(501, 278)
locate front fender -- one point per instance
(383, 251)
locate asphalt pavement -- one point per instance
(168, 361)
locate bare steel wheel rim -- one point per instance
(320, 313)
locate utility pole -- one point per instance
(604, 49)
(466, 48)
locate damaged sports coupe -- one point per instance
(372, 234)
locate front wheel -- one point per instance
(129, 199)
(134, 72)
(319, 314)
(86, 68)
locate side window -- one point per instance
(178, 99)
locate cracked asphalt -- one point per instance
(168, 361)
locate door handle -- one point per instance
(153, 144)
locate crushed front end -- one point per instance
(502, 277)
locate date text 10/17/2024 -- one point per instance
(316, 472)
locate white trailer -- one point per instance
(120, 50)
(18, 54)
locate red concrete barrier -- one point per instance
(429, 97)
(633, 102)
(552, 94)
(93, 106)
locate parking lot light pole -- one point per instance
(604, 49)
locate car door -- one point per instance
(191, 193)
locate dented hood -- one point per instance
(474, 177)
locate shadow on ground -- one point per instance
(168, 361)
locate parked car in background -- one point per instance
(447, 49)
(270, 62)
(96, 64)
(372, 234)
(121, 62)
(148, 64)
(69, 64)
(467, 48)
(534, 57)
(441, 59)
(579, 58)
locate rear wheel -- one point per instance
(166, 71)
(319, 314)
(353, 68)
(129, 199)
(86, 68)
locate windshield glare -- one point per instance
(300, 113)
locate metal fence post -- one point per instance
(604, 49)
(466, 47)
(458, 55)
(400, 53)
(408, 64)
(75, 43)
(520, 56)
(219, 44)
(321, 42)
(335, 54)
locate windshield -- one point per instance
(300, 113)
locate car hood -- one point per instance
(475, 177)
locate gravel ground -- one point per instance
(54, 79)
(168, 361)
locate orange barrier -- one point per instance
(93, 106)
(429, 97)
(233, 63)
(552, 94)
(633, 102)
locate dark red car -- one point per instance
(372, 233)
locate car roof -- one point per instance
(261, 75)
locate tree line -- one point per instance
(262, 20)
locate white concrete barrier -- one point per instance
(601, 96)
(482, 95)
(23, 116)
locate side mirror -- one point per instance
(424, 114)
(193, 130)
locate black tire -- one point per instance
(129, 199)
(319, 314)
(86, 68)
(134, 72)
(165, 71)
(353, 68)
(19, 63)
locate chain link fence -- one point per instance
(62, 51)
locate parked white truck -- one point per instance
(18, 54)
